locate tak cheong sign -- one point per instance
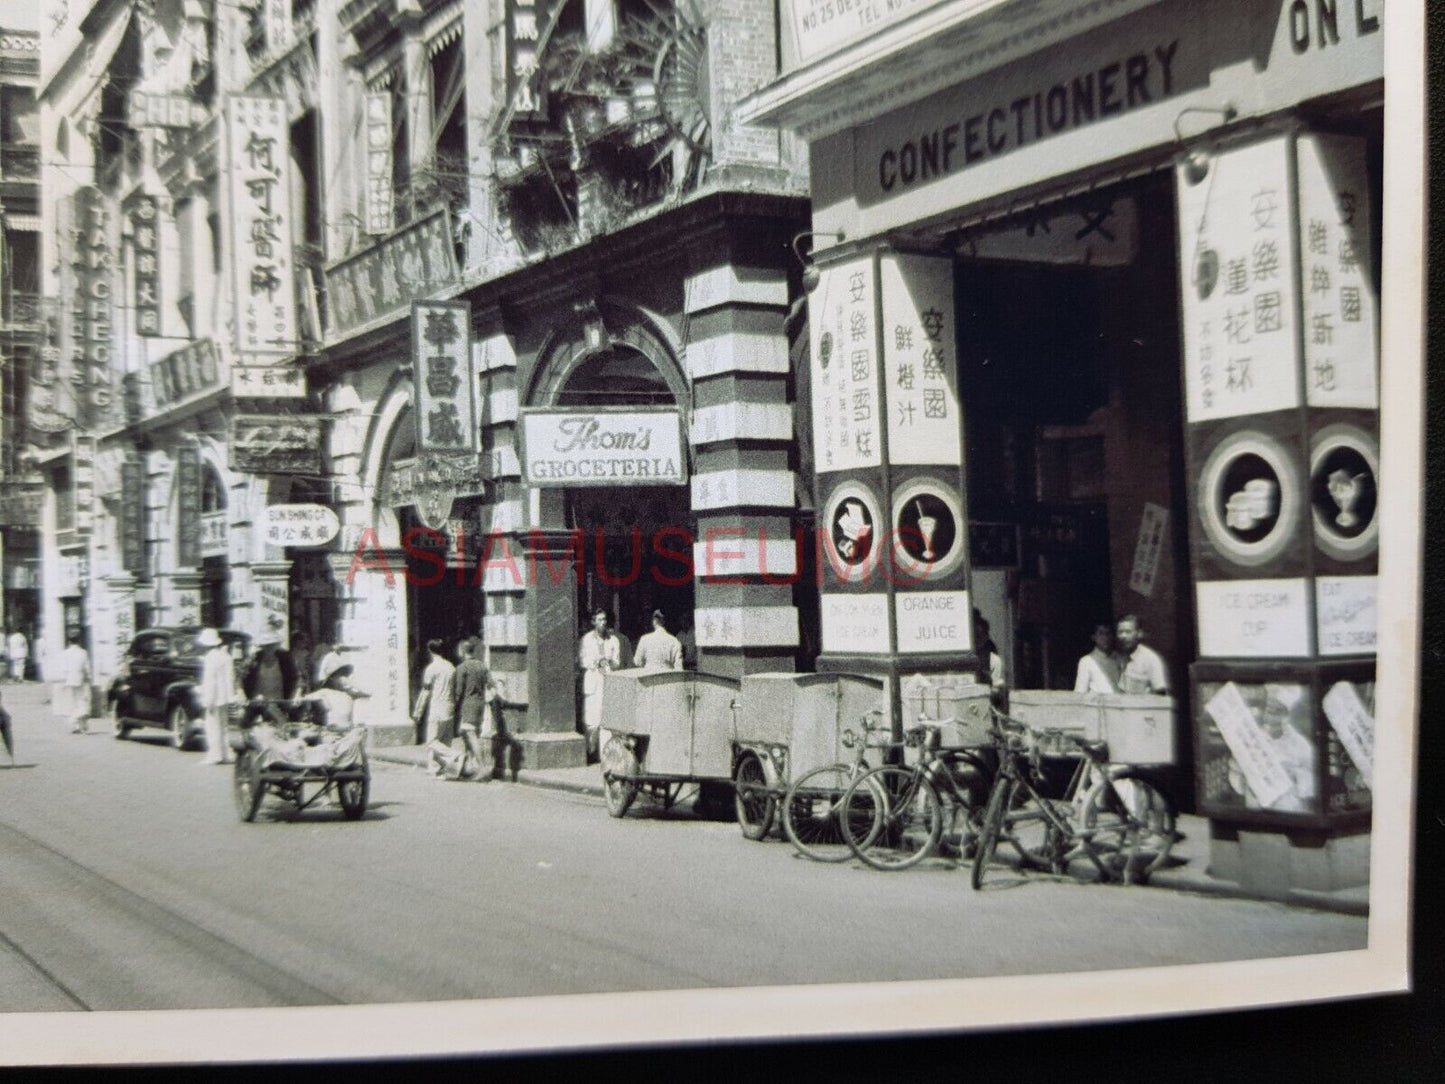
(443, 381)
(603, 448)
(91, 328)
(263, 275)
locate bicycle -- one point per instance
(893, 815)
(814, 800)
(1108, 814)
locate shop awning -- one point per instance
(938, 46)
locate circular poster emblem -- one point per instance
(927, 529)
(1249, 498)
(1344, 467)
(852, 522)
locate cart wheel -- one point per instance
(756, 808)
(247, 786)
(620, 793)
(353, 794)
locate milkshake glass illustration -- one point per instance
(1346, 489)
(926, 526)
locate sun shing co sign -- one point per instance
(603, 448)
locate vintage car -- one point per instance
(156, 683)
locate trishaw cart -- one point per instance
(789, 725)
(284, 750)
(668, 728)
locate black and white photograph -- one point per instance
(545, 525)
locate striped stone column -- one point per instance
(743, 489)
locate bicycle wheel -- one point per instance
(903, 814)
(1032, 834)
(998, 802)
(1128, 827)
(810, 814)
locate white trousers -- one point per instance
(215, 723)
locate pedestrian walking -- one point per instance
(17, 650)
(659, 649)
(599, 653)
(435, 710)
(472, 688)
(6, 735)
(217, 692)
(72, 694)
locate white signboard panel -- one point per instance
(299, 525)
(1253, 618)
(933, 621)
(263, 278)
(843, 347)
(379, 195)
(267, 382)
(1237, 280)
(821, 27)
(603, 448)
(213, 534)
(1341, 311)
(920, 363)
(1353, 725)
(1153, 530)
(1251, 749)
(1345, 610)
(855, 624)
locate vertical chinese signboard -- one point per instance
(379, 195)
(442, 377)
(146, 299)
(263, 279)
(188, 506)
(82, 479)
(1281, 380)
(91, 328)
(528, 23)
(132, 517)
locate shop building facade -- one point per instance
(1157, 225)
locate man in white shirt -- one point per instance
(1144, 670)
(216, 692)
(437, 710)
(17, 648)
(72, 697)
(659, 649)
(599, 653)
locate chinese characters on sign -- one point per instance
(442, 378)
(91, 329)
(82, 478)
(276, 444)
(145, 110)
(918, 356)
(1238, 284)
(1153, 525)
(379, 195)
(1340, 306)
(384, 279)
(846, 426)
(188, 506)
(143, 227)
(191, 369)
(300, 525)
(213, 534)
(258, 141)
(132, 516)
(528, 23)
(267, 382)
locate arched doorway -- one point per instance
(215, 562)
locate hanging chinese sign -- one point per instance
(1238, 284)
(142, 211)
(262, 271)
(845, 368)
(188, 506)
(91, 329)
(267, 382)
(193, 369)
(146, 110)
(276, 444)
(383, 280)
(443, 380)
(528, 23)
(132, 516)
(379, 195)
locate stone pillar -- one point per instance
(545, 619)
(743, 490)
(183, 599)
(1280, 301)
(112, 641)
(418, 93)
(373, 638)
(273, 590)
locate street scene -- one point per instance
(142, 890)
(544, 497)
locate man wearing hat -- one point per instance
(216, 692)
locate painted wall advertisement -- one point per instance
(384, 279)
(920, 369)
(843, 347)
(263, 277)
(1238, 283)
(1253, 618)
(443, 384)
(856, 624)
(604, 447)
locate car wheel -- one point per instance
(117, 721)
(180, 723)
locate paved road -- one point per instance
(128, 883)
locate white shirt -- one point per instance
(1144, 672)
(1091, 677)
(659, 650)
(597, 655)
(437, 677)
(18, 646)
(217, 688)
(74, 666)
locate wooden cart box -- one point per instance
(1139, 729)
(807, 714)
(1079, 713)
(955, 701)
(686, 717)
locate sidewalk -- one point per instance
(1189, 875)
